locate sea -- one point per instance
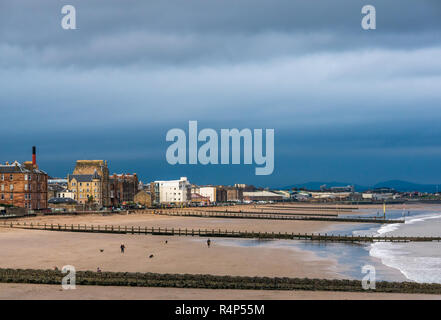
(405, 261)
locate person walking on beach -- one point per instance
(122, 248)
(208, 243)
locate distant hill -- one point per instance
(399, 185)
(315, 185)
(405, 186)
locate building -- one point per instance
(200, 199)
(23, 185)
(144, 198)
(87, 188)
(173, 191)
(66, 194)
(53, 189)
(347, 188)
(209, 193)
(123, 188)
(377, 196)
(221, 194)
(245, 187)
(90, 182)
(234, 194)
(284, 193)
(262, 196)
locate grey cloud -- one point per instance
(345, 103)
(200, 32)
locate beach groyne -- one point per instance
(315, 208)
(204, 281)
(266, 212)
(272, 216)
(112, 229)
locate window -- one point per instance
(3, 197)
(3, 187)
(26, 187)
(11, 177)
(3, 177)
(26, 177)
(11, 187)
(81, 184)
(11, 196)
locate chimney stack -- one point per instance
(34, 156)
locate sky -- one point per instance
(347, 104)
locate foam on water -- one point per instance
(419, 262)
(388, 228)
(423, 269)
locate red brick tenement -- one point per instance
(23, 185)
(123, 188)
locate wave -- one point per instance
(407, 221)
(419, 262)
(413, 267)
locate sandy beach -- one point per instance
(52, 292)
(36, 249)
(159, 221)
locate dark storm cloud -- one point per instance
(345, 102)
(121, 33)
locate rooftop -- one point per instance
(17, 167)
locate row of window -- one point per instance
(87, 196)
(11, 196)
(85, 190)
(81, 184)
(27, 196)
(27, 187)
(27, 177)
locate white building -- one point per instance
(378, 196)
(66, 194)
(173, 191)
(209, 192)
